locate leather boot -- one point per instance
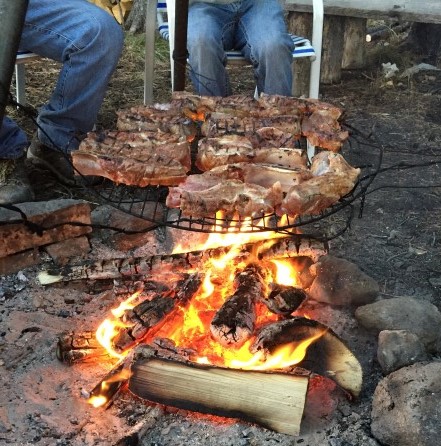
(14, 182)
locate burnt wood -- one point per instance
(79, 347)
(152, 314)
(327, 356)
(284, 299)
(140, 268)
(111, 384)
(233, 323)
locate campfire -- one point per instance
(230, 319)
(221, 329)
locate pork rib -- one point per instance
(316, 194)
(265, 175)
(231, 196)
(151, 171)
(329, 162)
(230, 149)
(140, 146)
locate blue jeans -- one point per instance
(87, 41)
(255, 27)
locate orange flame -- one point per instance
(100, 399)
(190, 326)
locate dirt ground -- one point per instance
(397, 241)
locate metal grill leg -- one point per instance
(20, 83)
(150, 28)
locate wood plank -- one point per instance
(273, 400)
(428, 11)
(354, 52)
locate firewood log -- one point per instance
(78, 347)
(327, 356)
(233, 323)
(138, 268)
(273, 400)
(154, 313)
(284, 299)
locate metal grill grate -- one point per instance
(148, 203)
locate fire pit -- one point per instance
(213, 329)
(220, 316)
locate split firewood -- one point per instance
(233, 323)
(284, 299)
(79, 347)
(152, 314)
(140, 268)
(273, 400)
(327, 355)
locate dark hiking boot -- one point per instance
(59, 163)
(14, 182)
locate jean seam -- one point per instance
(53, 33)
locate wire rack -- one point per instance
(148, 203)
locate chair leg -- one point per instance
(20, 83)
(171, 17)
(150, 29)
(317, 38)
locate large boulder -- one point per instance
(340, 282)
(406, 408)
(403, 313)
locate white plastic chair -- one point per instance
(164, 12)
(23, 57)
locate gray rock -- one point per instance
(399, 348)
(406, 407)
(340, 282)
(403, 313)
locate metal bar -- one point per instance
(12, 15)
(150, 28)
(180, 48)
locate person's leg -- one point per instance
(88, 42)
(13, 140)
(262, 37)
(14, 182)
(210, 30)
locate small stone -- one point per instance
(399, 348)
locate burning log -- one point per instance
(284, 299)
(153, 314)
(273, 400)
(294, 247)
(327, 356)
(149, 313)
(79, 347)
(103, 394)
(233, 324)
(138, 268)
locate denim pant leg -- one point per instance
(263, 38)
(88, 42)
(210, 28)
(13, 140)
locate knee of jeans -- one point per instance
(105, 35)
